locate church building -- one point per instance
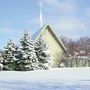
(55, 45)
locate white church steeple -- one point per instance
(41, 21)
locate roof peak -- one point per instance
(35, 35)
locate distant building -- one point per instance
(56, 47)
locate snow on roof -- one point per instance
(34, 36)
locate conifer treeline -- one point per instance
(29, 55)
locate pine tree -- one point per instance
(1, 56)
(27, 56)
(41, 49)
(9, 55)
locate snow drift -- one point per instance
(54, 79)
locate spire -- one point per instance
(41, 21)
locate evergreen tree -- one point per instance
(27, 56)
(9, 55)
(41, 49)
(1, 56)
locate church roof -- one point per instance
(37, 34)
(34, 36)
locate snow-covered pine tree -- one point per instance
(9, 55)
(43, 56)
(27, 56)
(1, 56)
(9, 51)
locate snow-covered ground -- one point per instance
(54, 79)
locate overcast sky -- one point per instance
(70, 18)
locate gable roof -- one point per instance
(38, 33)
